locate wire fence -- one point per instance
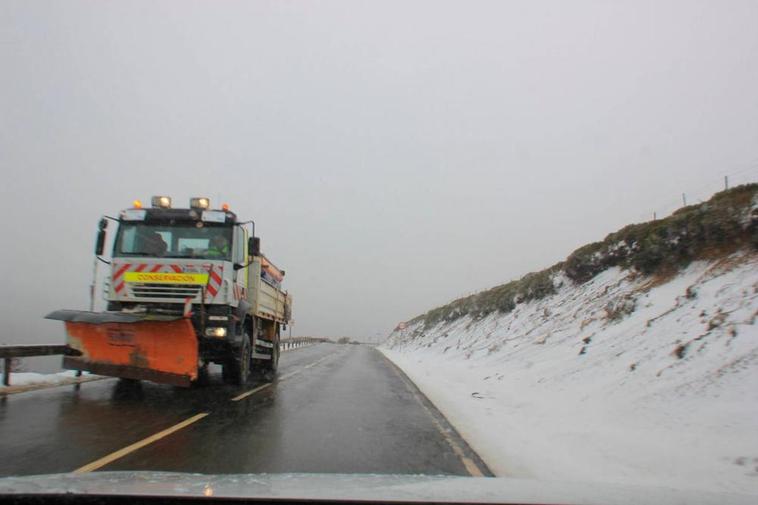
(699, 193)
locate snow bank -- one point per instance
(623, 379)
(29, 378)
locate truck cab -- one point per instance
(198, 264)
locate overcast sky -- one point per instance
(395, 155)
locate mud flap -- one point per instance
(163, 351)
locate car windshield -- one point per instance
(423, 250)
(173, 241)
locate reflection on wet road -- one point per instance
(332, 409)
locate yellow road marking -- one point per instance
(280, 379)
(306, 367)
(471, 467)
(252, 391)
(110, 458)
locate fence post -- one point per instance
(7, 372)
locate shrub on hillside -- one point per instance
(727, 221)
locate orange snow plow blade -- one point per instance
(163, 351)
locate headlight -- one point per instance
(215, 332)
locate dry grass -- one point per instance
(712, 230)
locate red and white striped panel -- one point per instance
(120, 270)
(214, 280)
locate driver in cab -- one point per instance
(219, 247)
(153, 244)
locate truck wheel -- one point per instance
(271, 365)
(275, 355)
(226, 372)
(237, 369)
(203, 378)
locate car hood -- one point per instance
(339, 487)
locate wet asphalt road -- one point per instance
(332, 409)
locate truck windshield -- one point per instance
(174, 241)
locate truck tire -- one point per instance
(274, 361)
(271, 365)
(203, 378)
(236, 370)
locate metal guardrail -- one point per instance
(295, 342)
(9, 352)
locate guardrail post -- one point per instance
(7, 372)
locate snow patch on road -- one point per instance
(30, 378)
(623, 379)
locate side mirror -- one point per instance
(254, 246)
(253, 249)
(100, 243)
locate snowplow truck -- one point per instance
(186, 288)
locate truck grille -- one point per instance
(148, 290)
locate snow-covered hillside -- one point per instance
(624, 378)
